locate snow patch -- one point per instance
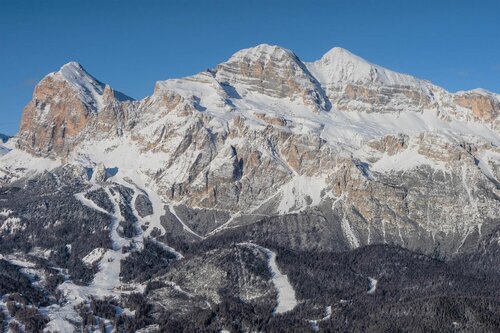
(349, 233)
(5, 212)
(11, 225)
(406, 160)
(94, 256)
(286, 294)
(373, 285)
(301, 192)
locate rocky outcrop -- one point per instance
(66, 105)
(99, 174)
(272, 71)
(484, 105)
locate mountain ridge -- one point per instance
(333, 51)
(215, 139)
(233, 89)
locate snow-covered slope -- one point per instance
(88, 89)
(339, 66)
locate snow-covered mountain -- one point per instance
(264, 151)
(264, 132)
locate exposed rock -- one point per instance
(100, 173)
(484, 105)
(272, 71)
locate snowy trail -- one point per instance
(286, 294)
(226, 224)
(89, 203)
(137, 184)
(184, 226)
(106, 282)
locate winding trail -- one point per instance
(171, 208)
(286, 294)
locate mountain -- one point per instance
(190, 209)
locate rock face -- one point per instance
(99, 174)
(370, 155)
(272, 71)
(65, 105)
(483, 104)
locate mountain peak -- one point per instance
(337, 51)
(263, 51)
(342, 55)
(340, 66)
(71, 64)
(274, 71)
(80, 79)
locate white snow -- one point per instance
(286, 294)
(12, 225)
(373, 285)
(18, 260)
(18, 163)
(486, 159)
(5, 212)
(94, 256)
(348, 231)
(89, 90)
(3, 149)
(225, 225)
(408, 159)
(89, 203)
(261, 52)
(340, 66)
(184, 226)
(314, 322)
(344, 131)
(301, 192)
(107, 281)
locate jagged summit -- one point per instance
(72, 69)
(263, 52)
(89, 89)
(64, 104)
(75, 74)
(274, 71)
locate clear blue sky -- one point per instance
(132, 44)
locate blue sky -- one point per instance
(132, 44)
